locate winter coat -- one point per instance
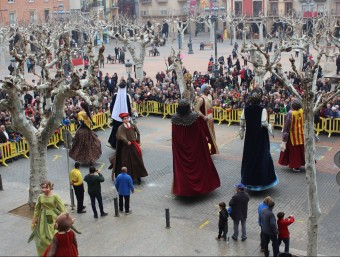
(283, 227)
(239, 204)
(268, 222)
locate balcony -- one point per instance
(162, 1)
(145, 1)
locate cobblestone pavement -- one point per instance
(154, 194)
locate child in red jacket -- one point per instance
(282, 225)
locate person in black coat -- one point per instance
(269, 229)
(222, 222)
(239, 210)
(338, 65)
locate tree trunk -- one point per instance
(313, 201)
(212, 32)
(259, 78)
(38, 168)
(139, 70)
(261, 32)
(234, 33)
(182, 39)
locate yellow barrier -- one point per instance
(54, 140)
(139, 108)
(233, 115)
(169, 109)
(99, 121)
(154, 108)
(279, 122)
(320, 126)
(10, 150)
(219, 114)
(332, 126)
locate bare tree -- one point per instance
(313, 100)
(136, 36)
(58, 88)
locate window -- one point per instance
(321, 8)
(31, 1)
(273, 8)
(46, 14)
(12, 18)
(337, 8)
(238, 8)
(257, 8)
(288, 8)
(164, 12)
(32, 15)
(10, 1)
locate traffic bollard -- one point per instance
(115, 201)
(167, 218)
(1, 188)
(72, 198)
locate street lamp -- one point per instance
(214, 18)
(128, 66)
(309, 3)
(190, 42)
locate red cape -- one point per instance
(194, 170)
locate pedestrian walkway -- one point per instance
(127, 235)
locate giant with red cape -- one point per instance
(193, 168)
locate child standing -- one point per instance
(282, 225)
(222, 222)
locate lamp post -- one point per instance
(128, 66)
(190, 42)
(214, 17)
(309, 3)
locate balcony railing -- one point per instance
(145, 1)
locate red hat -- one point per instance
(123, 114)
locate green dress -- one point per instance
(46, 211)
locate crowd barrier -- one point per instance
(12, 150)
(230, 116)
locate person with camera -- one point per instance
(93, 179)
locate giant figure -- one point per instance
(292, 147)
(194, 172)
(257, 170)
(121, 103)
(205, 111)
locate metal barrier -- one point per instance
(332, 125)
(233, 115)
(219, 114)
(169, 109)
(11, 150)
(54, 140)
(320, 126)
(154, 107)
(99, 120)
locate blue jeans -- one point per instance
(243, 225)
(286, 242)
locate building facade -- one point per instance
(26, 11)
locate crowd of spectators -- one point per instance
(229, 91)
